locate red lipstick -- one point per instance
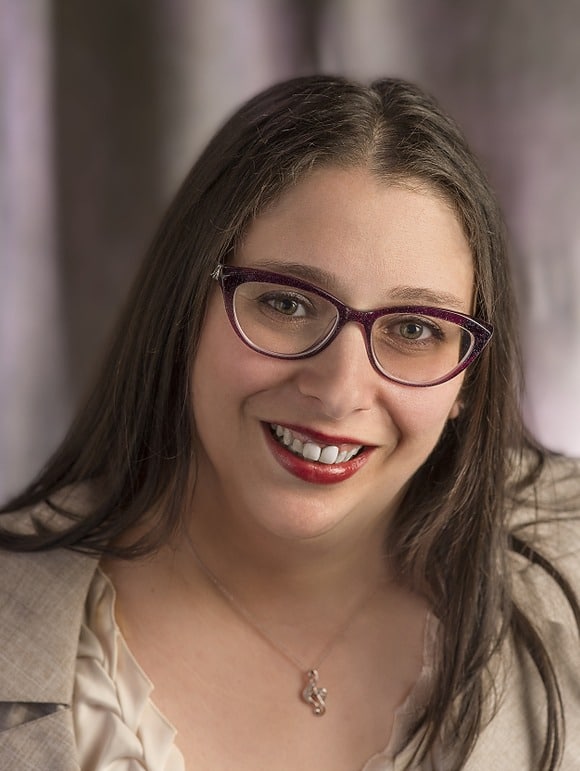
(312, 471)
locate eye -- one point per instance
(412, 334)
(413, 329)
(287, 304)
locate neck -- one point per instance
(310, 600)
(259, 567)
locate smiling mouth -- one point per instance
(328, 454)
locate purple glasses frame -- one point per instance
(230, 277)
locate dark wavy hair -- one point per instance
(135, 436)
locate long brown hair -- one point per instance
(135, 436)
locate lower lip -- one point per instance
(310, 471)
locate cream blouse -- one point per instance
(119, 728)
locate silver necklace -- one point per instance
(312, 694)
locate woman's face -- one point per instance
(371, 244)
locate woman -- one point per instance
(298, 493)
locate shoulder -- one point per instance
(42, 596)
(547, 520)
(28, 577)
(42, 584)
(546, 578)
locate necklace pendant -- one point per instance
(314, 695)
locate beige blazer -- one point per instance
(41, 603)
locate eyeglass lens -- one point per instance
(288, 321)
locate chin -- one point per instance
(307, 519)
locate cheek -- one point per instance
(211, 373)
(225, 371)
(220, 351)
(421, 413)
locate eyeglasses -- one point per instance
(286, 318)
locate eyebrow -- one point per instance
(421, 295)
(402, 295)
(309, 273)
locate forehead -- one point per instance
(370, 237)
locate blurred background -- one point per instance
(104, 106)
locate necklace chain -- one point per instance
(313, 694)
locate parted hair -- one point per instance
(135, 436)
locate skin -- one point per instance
(371, 240)
(302, 557)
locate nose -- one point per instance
(341, 377)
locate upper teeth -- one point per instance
(309, 450)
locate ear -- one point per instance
(455, 410)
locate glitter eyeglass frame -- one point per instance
(230, 277)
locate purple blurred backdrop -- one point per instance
(103, 107)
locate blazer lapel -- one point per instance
(46, 743)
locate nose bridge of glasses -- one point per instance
(363, 320)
